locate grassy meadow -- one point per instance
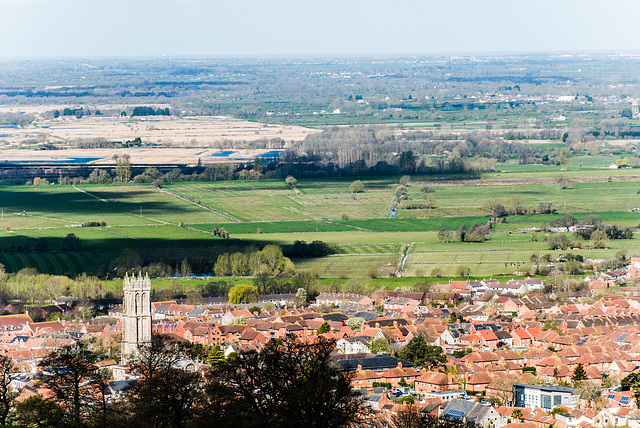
(359, 236)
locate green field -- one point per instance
(349, 265)
(273, 200)
(579, 198)
(141, 217)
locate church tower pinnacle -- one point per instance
(136, 315)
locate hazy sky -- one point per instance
(73, 28)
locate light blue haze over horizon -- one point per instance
(222, 28)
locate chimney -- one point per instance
(399, 364)
(450, 378)
(395, 323)
(359, 367)
(377, 325)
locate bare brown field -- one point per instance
(168, 131)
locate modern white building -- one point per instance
(546, 397)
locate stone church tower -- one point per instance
(136, 315)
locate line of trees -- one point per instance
(69, 243)
(590, 228)
(516, 206)
(268, 262)
(150, 111)
(30, 286)
(475, 233)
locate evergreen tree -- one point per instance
(216, 356)
(422, 354)
(324, 328)
(578, 374)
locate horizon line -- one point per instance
(355, 55)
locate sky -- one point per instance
(223, 28)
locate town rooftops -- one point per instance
(334, 316)
(368, 316)
(457, 409)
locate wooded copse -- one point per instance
(287, 383)
(30, 286)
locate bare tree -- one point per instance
(7, 395)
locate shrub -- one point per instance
(463, 271)
(564, 221)
(372, 272)
(382, 385)
(558, 242)
(477, 233)
(414, 206)
(290, 180)
(94, 223)
(356, 187)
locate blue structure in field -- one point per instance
(271, 154)
(223, 154)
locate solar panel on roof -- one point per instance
(611, 396)
(624, 400)
(454, 413)
(582, 342)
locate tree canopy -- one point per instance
(286, 384)
(356, 187)
(243, 293)
(423, 354)
(324, 328)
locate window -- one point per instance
(546, 401)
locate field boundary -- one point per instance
(120, 234)
(23, 234)
(197, 230)
(200, 204)
(348, 225)
(296, 210)
(39, 216)
(90, 194)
